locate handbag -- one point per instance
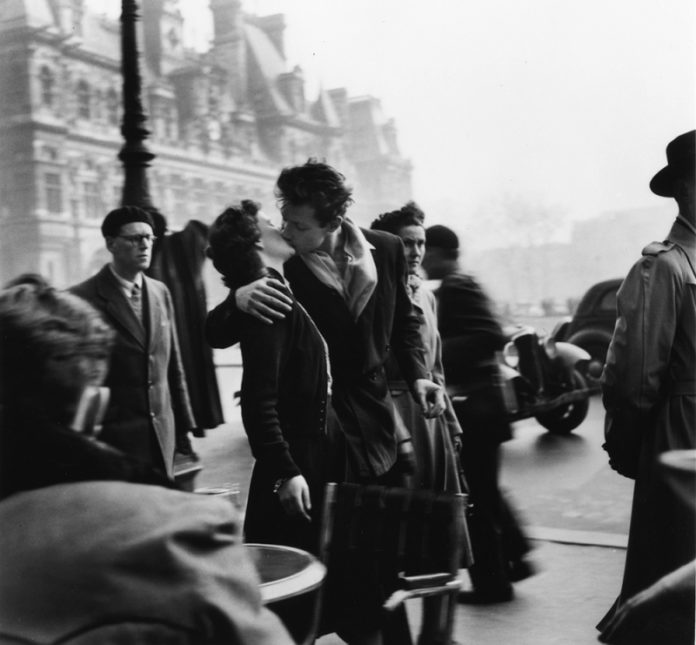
(623, 440)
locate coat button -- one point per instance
(152, 415)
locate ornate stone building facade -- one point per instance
(223, 123)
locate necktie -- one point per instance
(136, 302)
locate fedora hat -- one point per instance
(680, 164)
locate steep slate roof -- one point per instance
(102, 36)
(25, 13)
(271, 65)
(367, 121)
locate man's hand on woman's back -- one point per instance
(266, 299)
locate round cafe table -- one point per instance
(290, 583)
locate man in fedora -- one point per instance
(649, 381)
(149, 414)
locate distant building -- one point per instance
(223, 123)
(600, 248)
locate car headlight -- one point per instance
(511, 355)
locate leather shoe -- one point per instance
(520, 570)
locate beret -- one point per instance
(124, 215)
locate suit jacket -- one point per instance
(358, 349)
(122, 559)
(149, 405)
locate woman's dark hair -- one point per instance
(318, 185)
(28, 278)
(409, 214)
(232, 238)
(46, 335)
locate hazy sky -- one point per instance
(562, 104)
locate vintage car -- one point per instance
(592, 325)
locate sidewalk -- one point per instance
(575, 584)
(560, 605)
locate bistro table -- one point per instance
(291, 581)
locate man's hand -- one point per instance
(265, 299)
(430, 397)
(294, 497)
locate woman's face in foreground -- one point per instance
(413, 237)
(272, 242)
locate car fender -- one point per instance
(561, 328)
(570, 355)
(587, 336)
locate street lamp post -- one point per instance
(136, 158)
(134, 155)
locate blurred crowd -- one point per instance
(355, 370)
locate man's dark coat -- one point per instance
(358, 349)
(149, 405)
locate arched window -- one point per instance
(48, 82)
(83, 100)
(112, 107)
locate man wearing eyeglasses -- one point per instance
(149, 414)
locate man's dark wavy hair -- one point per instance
(409, 214)
(318, 185)
(232, 244)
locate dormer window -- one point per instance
(83, 100)
(112, 107)
(48, 82)
(173, 38)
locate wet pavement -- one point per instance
(576, 508)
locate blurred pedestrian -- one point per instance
(55, 351)
(649, 385)
(471, 335)
(93, 544)
(149, 415)
(436, 441)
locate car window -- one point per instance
(608, 302)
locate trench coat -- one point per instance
(122, 562)
(178, 261)
(149, 408)
(650, 373)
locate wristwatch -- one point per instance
(278, 484)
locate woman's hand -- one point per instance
(294, 497)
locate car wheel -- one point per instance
(565, 418)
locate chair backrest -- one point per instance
(396, 530)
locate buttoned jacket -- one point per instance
(145, 377)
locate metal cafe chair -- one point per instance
(405, 543)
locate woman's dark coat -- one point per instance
(286, 411)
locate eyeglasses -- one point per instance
(137, 240)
